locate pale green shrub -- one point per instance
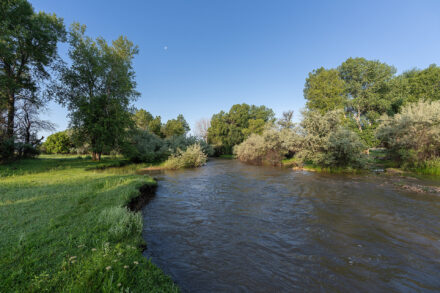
(192, 157)
(121, 222)
(344, 149)
(413, 135)
(269, 147)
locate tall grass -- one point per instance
(431, 167)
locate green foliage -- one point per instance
(98, 88)
(192, 157)
(175, 127)
(121, 222)
(321, 140)
(142, 119)
(415, 85)
(344, 149)
(367, 84)
(75, 235)
(268, 148)
(325, 90)
(230, 129)
(183, 142)
(58, 143)
(28, 48)
(145, 147)
(413, 135)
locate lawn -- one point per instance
(64, 227)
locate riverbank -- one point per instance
(65, 226)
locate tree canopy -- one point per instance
(28, 46)
(230, 129)
(98, 88)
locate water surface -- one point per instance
(231, 227)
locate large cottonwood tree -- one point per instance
(98, 89)
(28, 46)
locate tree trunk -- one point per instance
(11, 115)
(96, 156)
(358, 120)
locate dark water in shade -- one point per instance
(230, 227)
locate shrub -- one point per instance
(145, 147)
(344, 149)
(192, 157)
(7, 147)
(121, 222)
(270, 147)
(413, 135)
(58, 143)
(182, 142)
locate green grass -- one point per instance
(64, 227)
(227, 156)
(431, 167)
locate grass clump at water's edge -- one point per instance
(65, 227)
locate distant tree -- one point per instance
(201, 128)
(155, 126)
(415, 85)
(254, 126)
(325, 90)
(286, 121)
(98, 88)
(28, 45)
(142, 118)
(58, 143)
(367, 84)
(185, 125)
(229, 129)
(175, 127)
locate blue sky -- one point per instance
(199, 57)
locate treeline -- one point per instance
(360, 105)
(97, 86)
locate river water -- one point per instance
(231, 227)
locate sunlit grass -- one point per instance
(64, 227)
(431, 167)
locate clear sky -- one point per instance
(199, 57)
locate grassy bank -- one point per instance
(64, 227)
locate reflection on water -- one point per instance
(231, 227)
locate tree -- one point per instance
(29, 123)
(202, 127)
(230, 129)
(155, 126)
(98, 88)
(185, 125)
(367, 84)
(28, 46)
(325, 90)
(286, 121)
(142, 118)
(415, 85)
(58, 143)
(175, 127)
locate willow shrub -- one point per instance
(413, 135)
(192, 157)
(321, 141)
(268, 148)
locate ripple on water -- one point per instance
(230, 227)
